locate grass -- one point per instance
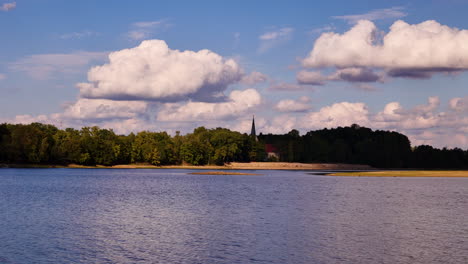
(409, 173)
(222, 173)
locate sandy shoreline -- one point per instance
(259, 166)
(408, 173)
(230, 166)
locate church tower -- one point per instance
(253, 133)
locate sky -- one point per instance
(176, 65)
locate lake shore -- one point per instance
(256, 166)
(409, 173)
(230, 166)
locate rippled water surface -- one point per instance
(169, 216)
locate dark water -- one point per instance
(168, 216)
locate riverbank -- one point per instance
(409, 173)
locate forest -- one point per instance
(38, 143)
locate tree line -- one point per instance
(38, 143)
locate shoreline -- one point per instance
(406, 174)
(230, 166)
(326, 169)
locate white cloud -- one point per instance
(254, 78)
(240, 103)
(415, 51)
(354, 75)
(2, 76)
(273, 35)
(394, 116)
(365, 87)
(326, 28)
(149, 24)
(271, 39)
(378, 14)
(311, 78)
(288, 105)
(79, 35)
(338, 114)
(152, 71)
(282, 86)
(137, 35)
(44, 66)
(8, 6)
(145, 29)
(459, 104)
(90, 109)
(423, 124)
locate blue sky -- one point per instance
(263, 58)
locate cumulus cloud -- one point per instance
(8, 6)
(271, 39)
(90, 109)
(423, 124)
(394, 116)
(459, 104)
(338, 114)
(354, 75)
(378, 14)
(240, 102)
(143, 30)
(44, 66)
(254, 78)
(415, 51)
(311, 78)
(153, 71)
(289, 105)
(283, 86)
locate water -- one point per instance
(168, 216)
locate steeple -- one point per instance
(253, 133)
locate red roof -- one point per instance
(270, 148)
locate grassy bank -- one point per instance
(409, 173)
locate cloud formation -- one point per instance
(153, 71)
(144, 30)
(8, 6)
(2, 76)
(378, 14)
(338, 114)
(414, 51)
(254, 78)
(44, 66)
(353, 75)
(283, 86)
(459, 104)
(423, 124)
(289, 105)
(79, 35)
(271, 39)
(240, 103)
(91, 109)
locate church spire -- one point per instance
(253, 133)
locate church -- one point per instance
(272, 153)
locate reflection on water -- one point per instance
(168, 216)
